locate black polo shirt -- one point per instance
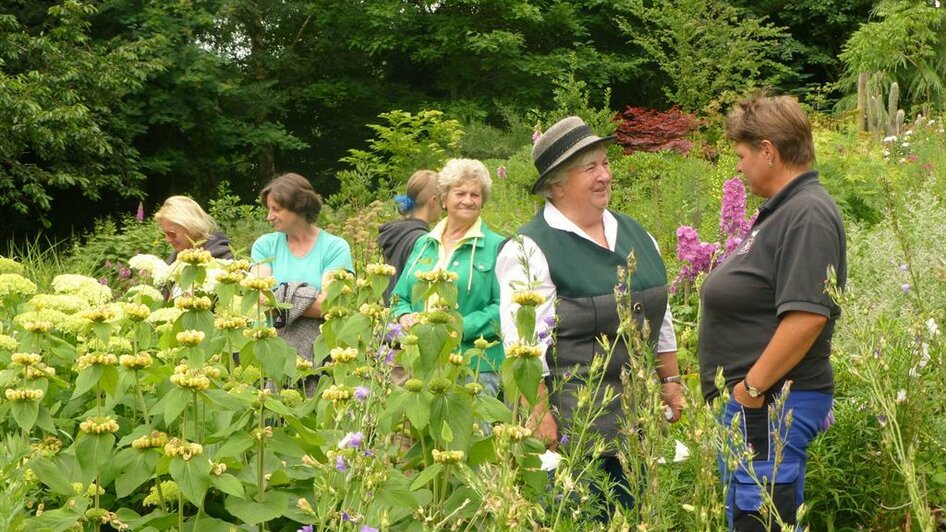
(780, 267)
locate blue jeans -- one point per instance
(757, 428)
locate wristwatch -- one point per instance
(753, 392)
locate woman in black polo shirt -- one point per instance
(766, 317)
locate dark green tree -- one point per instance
(61, 101)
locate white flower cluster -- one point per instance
(85, 287)
(157, 269)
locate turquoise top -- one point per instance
(329, 253)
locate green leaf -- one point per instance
(252, 512)
(60, 518)
(109, 379)
(417, 406)
(525, 321)
(102, 330)
(235, 445)
(432, 341)
(51, 471)
(86, 380)
(482, 451)
(224, 400)
(94, 451)
(199, 320)
(25, 413)
(192, 477)
(355, 331)
(527, 372)
(135, 467)
(426, 476)
(274, 354)
(396, 492)
(492, 409)
(446, 433)
(228, 484)
(175, 401)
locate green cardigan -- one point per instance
(478, 299)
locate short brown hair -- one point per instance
(294, 192)
(777, 119)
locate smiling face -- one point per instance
(754, 163)
(464, 202)
(588, 185)
(175, 235)
(281, 218)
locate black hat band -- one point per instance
(561, 146)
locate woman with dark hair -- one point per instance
(298, 254)
(298, 250)
(419, 207)
(766, 317)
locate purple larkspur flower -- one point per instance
(306, 528)
(563, 440)
(340, 463)
(549, 321)
(140, 215)
(369, 453)
(366, 528)
(732, 209)
(346, 517)
(622, 288)
(697, 257)
(362, 393)
(501, 172)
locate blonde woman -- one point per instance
(419, 207)
(186, 225)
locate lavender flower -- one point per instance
(352, 440)
(362, 393)
(563, 440)
(346, 517)
(393, 333)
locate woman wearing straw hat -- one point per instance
(573, 247)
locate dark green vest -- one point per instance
(585, 275)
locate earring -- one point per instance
(770, 163)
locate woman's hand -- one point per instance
(741, 395)
(408, 320)
(672, 396)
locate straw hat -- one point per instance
(559, 143)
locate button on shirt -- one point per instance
(513, 278)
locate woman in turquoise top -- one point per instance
(298, 251)
(461, 243)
